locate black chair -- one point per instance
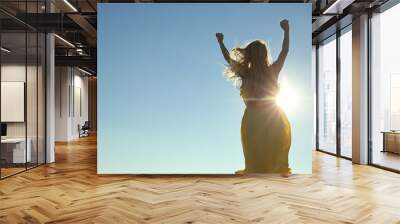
(84, 130)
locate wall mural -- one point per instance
(204, 89)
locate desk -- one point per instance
(391, 141)
(13, 150)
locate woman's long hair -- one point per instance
(248, 61)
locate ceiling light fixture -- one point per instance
(65, 41)
(5, 50)
(79, 51)
(337, 7)
(70, 5)
(84, 71)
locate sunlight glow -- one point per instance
(287, 98)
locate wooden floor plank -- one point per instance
(70, 191)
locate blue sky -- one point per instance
(164, 105)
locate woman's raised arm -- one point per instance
(225, 52)
(278, 64)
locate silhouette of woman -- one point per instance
(265, 130)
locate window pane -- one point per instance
(327, 96)
(386, 89)
(346, 94)
(313, 80)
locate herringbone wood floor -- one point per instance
(69, 191)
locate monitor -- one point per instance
(3, 129)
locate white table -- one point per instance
(18, 144)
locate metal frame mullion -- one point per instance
(369, 91)
(317, 96)
(45, 89)
(26, 86)
(0, 97)
(37, 91)
(338, 92)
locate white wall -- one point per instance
(16, 73)
(62, 81)
(71, 86)
(80, 108)
(9, 73)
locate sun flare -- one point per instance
(287, 98)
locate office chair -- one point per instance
(84, 130)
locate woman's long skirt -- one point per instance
(266, 139)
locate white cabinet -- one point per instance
(19, 155)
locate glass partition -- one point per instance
(14, 154)
(22, 89)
